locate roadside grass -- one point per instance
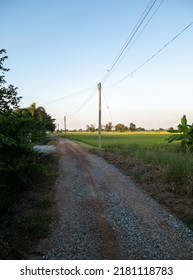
(160, 168)
(148, 149)
(30, 216)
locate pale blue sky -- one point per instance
(60, 47)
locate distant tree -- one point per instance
(108, 127)
(140, 129)
(120, 127)
(132, 127)
(90, 128)
(172, 130)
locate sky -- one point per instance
(59, 50)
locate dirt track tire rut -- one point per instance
(104, 215)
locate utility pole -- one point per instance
(65, 124)
(99, 128)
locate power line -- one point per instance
(85, 102)
(131, 36)
(70, 95)
(110, 114)
(138, 35)
(117, 59)
(155, 54)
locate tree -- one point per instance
(8, 95)
(132, 127)
(172, 130)
(18, 128)
(17, 158)
(8, 102)
(140, 129)
(120, 127)
(46, 123)
(90, 128)
(108, 127)
(2, 69)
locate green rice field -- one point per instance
(148, 148)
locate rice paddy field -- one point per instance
(148, 149)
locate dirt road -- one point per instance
(102, 214)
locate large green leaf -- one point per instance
(184, 121)
(178, 137)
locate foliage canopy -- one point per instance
(19, 129)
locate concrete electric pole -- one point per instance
(99, 128)
(65, 124)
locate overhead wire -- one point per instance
(70, 95)
(124, 50)
(134, 31)
(131, 73)
(93, 89)
(150, 58)
(127, 43)
(84, 103)
(129, 39)
(108, 108)
(138, 36)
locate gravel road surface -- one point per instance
(102, 214)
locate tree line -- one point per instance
(120, 127)
(20, 128)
